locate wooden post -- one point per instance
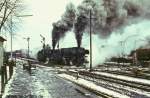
(11, 64)
(2, 79)
(9, 71)
(5, 74)
(1, 64)
(29, 68)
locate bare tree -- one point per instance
(8, 8)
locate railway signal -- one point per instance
(43, 41)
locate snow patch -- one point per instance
(137, 80)
(41, 90)
(93, 86)
(8, 85)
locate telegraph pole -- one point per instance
(90, 41)
(28, 40)
(91, 38)
(122, 43)
(11, 34)
(28, 54)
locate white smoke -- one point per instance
(34, 51)
(133, 36)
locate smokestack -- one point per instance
(53, 44)
(78, 41)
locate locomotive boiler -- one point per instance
(65, 56)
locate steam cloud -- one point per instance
(135, 36)
(109, 15)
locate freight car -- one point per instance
(67, 56)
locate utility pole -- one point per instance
(122, 51)
(90, 41)
(28, 54)
(91, 37)
(122, 43)
(11, 33)
(90, 18)
(28, 41)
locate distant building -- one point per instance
(141, 56)
(17, 54)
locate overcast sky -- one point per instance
(44, 12)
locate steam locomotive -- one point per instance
(64, 56)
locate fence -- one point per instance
(6, 74)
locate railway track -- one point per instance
(142, 75)
(117, 85)
(141, 86)
(105, 82)
(97, 77)
(103, 95)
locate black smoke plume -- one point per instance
(79, 27)
(63, 25)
